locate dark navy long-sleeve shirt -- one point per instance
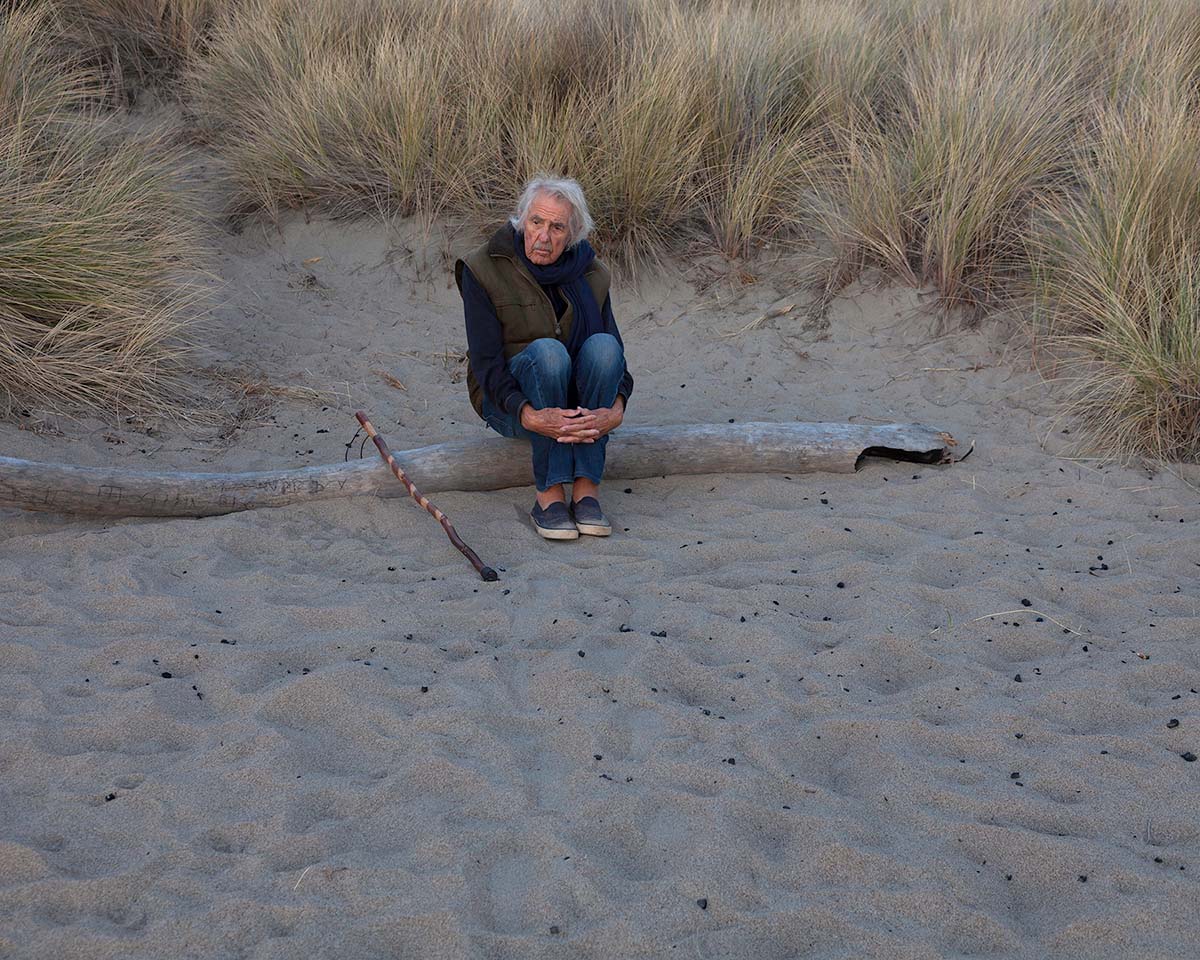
(485, 344)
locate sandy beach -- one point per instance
(918, 712)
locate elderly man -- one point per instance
(547, 362)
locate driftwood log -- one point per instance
(486, 463)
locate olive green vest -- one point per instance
(525, 312)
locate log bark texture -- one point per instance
(485, 463)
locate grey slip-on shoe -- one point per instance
(589, 518)
(554, 522)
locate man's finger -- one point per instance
(582, 424)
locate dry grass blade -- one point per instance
(1026, 610)
(244, 384)
(779, 311)
(390, 379)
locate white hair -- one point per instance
(579, 224)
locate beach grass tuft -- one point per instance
(1117, 272)
(133, 44)
(96, 243)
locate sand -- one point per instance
(917, 712)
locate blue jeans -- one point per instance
(544, 371)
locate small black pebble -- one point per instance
(702, 903)
(1018, 678)
(597, 756)
(424, 689)
(1082, 876)
(1172, 723)
(1018, 735)
(629, 489)
(660, 633)
(841, 585)
(1189, 757)
(581, 653)
(166, 674)
(554, 930)
(1026, 603)
(1015, 775)
(109, 797)
(625, 628)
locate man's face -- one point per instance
(546, 229)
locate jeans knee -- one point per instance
(603, 350)
(551, 358)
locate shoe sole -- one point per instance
(551, 534)
(593, 529)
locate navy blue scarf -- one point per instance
(567, 273)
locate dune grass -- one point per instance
(95, 243)
(677, 120)
(1114, 261)
(132, 44)
(1117, 268)
(938, 187)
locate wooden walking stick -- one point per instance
(487, 573)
